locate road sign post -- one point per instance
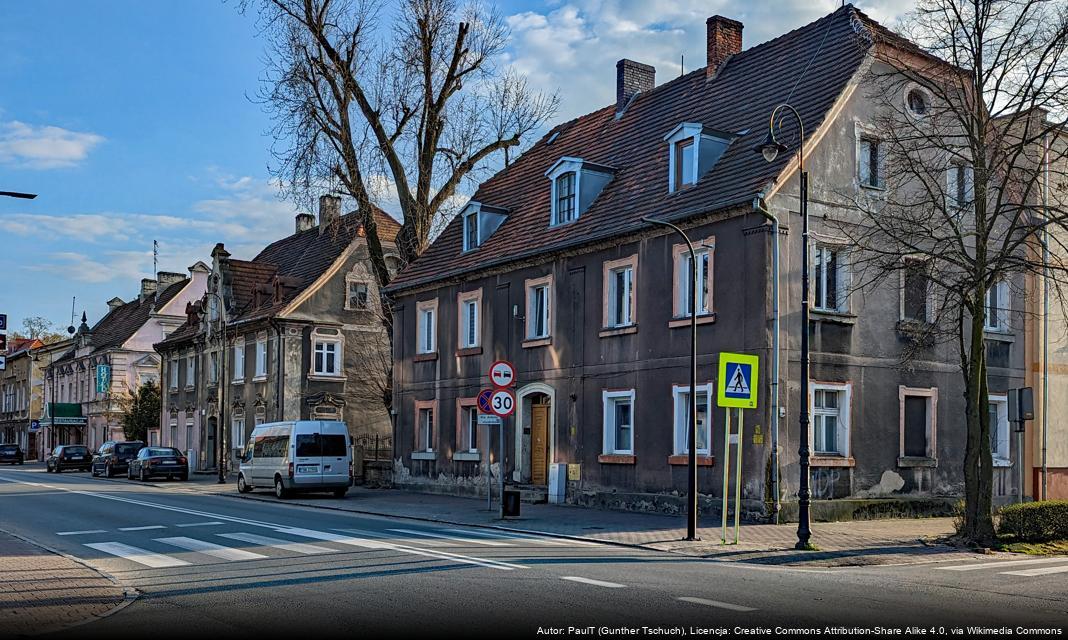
(736, 388)
(499, 401)
(3, 341)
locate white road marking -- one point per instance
(519, 536)
(138, 555)
(79, 533)
(997, 564)
(596, 583)
(1044, 571)
(211, 549)
(199, 524)
(717, 604)
(488, 543)
(154, 526)
(276, 543)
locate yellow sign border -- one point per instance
(721, 383)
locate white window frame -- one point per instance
(997, 318)
(844, 415)
(239, 360)
(426, 322)
(841, 275)
(324, 344)
(864, 133)
(1002, 453)
(261, 358)
(704, 277)
(931, 394)
(173, 378)
(467, 325)
(472, 212)
(560, 167)
(426, 432)
(610, 400)
(213, 367)
(237, 432)
(351, 281)
(680, 395)
(681, 134)
(629, 267)
(468, 429)
(546, 315)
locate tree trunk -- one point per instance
(978, 465)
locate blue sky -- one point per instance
(131, 120)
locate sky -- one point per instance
(134, 121)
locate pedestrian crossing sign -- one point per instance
(737, 382)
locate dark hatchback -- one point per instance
(11, 453)
(158, 461)
(69, 456)
(114, 457)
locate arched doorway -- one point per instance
(535, 434)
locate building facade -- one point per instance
(552, 267)
(293, 334)
(20, 397)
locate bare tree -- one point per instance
(970, 133)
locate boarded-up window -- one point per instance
(916, 426)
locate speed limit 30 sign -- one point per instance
(502, 402)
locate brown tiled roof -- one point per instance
(120, 323)
(22, 344)
(739, 100)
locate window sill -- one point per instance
(327, 377)
(608, 332)
(262, 378)
(911, 462)
(684, 459)
(997, 335)
(467, 456)
(238, 381)
(616, 458)
(424, 455)
(1002, 463)
(838, 317)
(469, 351)
(537, 342)
(832, 461)
(188, 387)
(704, 318)
(871, 187)
(425, 357)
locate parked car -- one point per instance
(11, 453)
(114, 457)
(69, 456)
(158, 461)
(307, 455)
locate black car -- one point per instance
(69, 456)
(114, 457)
(11, 453)
(158, 461)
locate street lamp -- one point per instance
(18, 194)
(770, 148)
(221, 380)
(691, 472)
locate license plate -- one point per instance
(76, 457)
(307, 468)
(170, 462)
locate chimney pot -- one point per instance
(632, 78)
(305, 221)
(724, 40)
(148, 288)
(115, 303)
(329, 210)
(167, 278)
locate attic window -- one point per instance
(684, 162)
(574, 185)
(692, 152)
(564, 198)
(470, 229)
(478, 222)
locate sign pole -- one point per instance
(738, 476)
(501, 467)
(726, 471)
(489, 477)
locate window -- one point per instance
(999, 429)
(470, 230)
(684, 163)
(239, 361)
(213, 370)
(469, 309)
(918, 408)
(619, 422)
(426, 333)
(564, 194)
(468, 433)
(425, 430)
(174, 373)
(356, 296)
(684, 295)
(237, 432)
(261, 416)
(997, 307)
(327, 357)
(915, 289)
(869, 162)
(917, 102)
(960, 187)
(682, 420)
(539, 294)
(261, 357)
(190, 370)
(829, 279)
(830, 419)
(619, 292)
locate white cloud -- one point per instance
(44, 147)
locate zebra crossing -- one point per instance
(1029, 568)
(208, 546)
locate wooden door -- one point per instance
(539, 443)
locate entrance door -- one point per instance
(539, 443)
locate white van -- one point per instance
(305, 455)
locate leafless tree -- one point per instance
(971, 132)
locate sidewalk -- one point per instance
(839, 544)
(41, 592)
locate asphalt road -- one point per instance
(208, 564)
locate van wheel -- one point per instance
(340, 493)
(280, 489)
(242, 486)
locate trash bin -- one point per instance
(510, 504)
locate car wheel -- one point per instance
(280, 489)
(93, 472)
(144, 476)
(184, 477)
(340, 493)
(108, 471)
(129, 473)
(242, 486)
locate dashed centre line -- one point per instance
(154, 526)
(596, 583)
(79, 533)
(716, 603)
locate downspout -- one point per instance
(1045, 311)
(761, 207)
(281, 387)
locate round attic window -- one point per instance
(917, 102)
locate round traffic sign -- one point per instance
(503, 402)
(502, 374)
(485, 398)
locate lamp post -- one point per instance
(770, 149)
(691, 472)
(221, 380)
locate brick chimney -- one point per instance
(305, 221)
(329, 211)
(148, 288)
(167, 278)
(115, 303)
(724, 40)
(632, 78)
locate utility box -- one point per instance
(557, 483)
(191, 457)
(510, 503)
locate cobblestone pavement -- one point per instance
(41, 591)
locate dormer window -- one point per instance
(575, 185)
(470, 229)
(693, 150)
(479, 221)
(684, 175)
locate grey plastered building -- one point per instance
(550, 266)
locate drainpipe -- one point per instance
(281, 388)
(761, 207)
(1045, 312)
